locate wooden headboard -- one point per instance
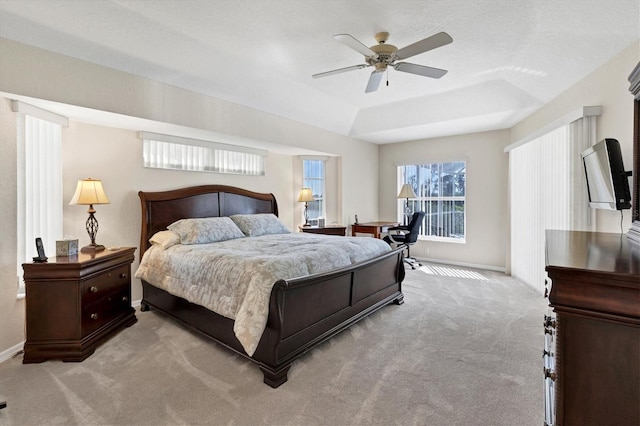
(160, 209)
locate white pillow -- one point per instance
(165, 239)
(205, 230)
(254, 225)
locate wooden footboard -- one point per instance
(303, 312)
(307, 311)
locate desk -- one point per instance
(375, 228)
(326, 230)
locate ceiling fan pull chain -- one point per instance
(387, 77)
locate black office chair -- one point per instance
(407, 236)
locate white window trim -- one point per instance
(435, 238)
(324, 159)
(202, 156)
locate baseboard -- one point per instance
(463, 264)
(136, 303)
(11, 352)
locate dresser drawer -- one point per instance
(104, 310)
(98, 287)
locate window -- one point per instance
(440, 190)
(177, 153)
(313, 172)
(39, 189)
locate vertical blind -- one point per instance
(39, 187)
(172, 152)
(547, 191)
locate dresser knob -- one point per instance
(549, 374)
(93, 289)
(549, 321)
(125, 299)
(94, 316)
(123, 275)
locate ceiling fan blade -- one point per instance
(424, 45)
(355, 44)
(339, 70)
(420, 70)
(374, 81)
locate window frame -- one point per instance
(419, 203)
(306, 183)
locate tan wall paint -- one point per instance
(486, 201)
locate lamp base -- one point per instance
(92, 248)
(306, 225)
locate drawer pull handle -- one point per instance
(93, 289)
(94, 316)
(123, 275)
(549, 374)
(549, 321)
(125, 299)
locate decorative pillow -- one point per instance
(165, 239)
(254, 225)
(205, 230)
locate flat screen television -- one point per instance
(607, 180)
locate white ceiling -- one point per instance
(508, 57)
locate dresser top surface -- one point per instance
(607, 253)
(83, 259)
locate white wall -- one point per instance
(607, 86)
(114, 155)
(486, 200)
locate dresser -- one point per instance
(592, 370)
(75, 303)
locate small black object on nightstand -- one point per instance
(40, 249)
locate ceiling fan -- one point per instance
(385, 55)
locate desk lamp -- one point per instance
(406, 192)
(90, 192)
(304, 197)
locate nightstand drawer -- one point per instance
(103, 310)
(75, 303)
(104, 284)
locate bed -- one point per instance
(295, 321)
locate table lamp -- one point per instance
(90, 192)
(406, 192)
(304, 197)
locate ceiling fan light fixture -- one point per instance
(383, 55)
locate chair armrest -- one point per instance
(398, 228)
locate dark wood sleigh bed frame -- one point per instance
(303, 312)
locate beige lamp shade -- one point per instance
(406, 192)
(89, 191)
(305, 195)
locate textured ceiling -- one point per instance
(507, 59)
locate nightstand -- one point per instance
(75, 303)
(327, 230)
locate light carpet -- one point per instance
(464, 349)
